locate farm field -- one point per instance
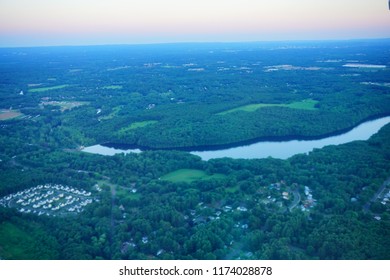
(9, 114)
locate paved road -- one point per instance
(297, 199)
(366, 206)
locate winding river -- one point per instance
(275, 149)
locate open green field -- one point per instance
(113, 113)
(15, 243)
(43, 89)
(9, 114)
(126, 193)
(112, 87)
(136, 125)
(307, 104)
(189, 176)
(232, 189)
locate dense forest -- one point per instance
(57, 202)
(186, 95)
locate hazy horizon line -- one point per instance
(196, 42)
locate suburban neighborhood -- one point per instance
(50, 200)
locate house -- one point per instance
(227, 208)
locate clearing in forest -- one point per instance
(136, 125)
(9, 114)
(113, 113)
(112, 87)
(43, 89)
(190, 175)
(66, 105)
(307, 104)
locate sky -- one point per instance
(96, 22)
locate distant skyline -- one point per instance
(98, 22)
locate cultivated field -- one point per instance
(9, 114)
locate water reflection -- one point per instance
(275, 149)
(286, 149)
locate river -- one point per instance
(275, 149)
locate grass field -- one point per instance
(307, 104)
(232, 189)
(113, 113)
(15, 243)
(136, 125)
(26, 241)
(141, 124)
(9, 114)
(126, 193)
(189, 176)
(43, 89)
(120, 191)
(112, 87)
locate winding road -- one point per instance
(295, 202)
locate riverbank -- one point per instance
(272, 147)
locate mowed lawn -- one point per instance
(43, 89)
(190, 175)
(307, 104)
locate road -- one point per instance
(297, 199)
(366, 206)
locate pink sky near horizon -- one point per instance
(78, 22)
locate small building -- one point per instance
(242, 209)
